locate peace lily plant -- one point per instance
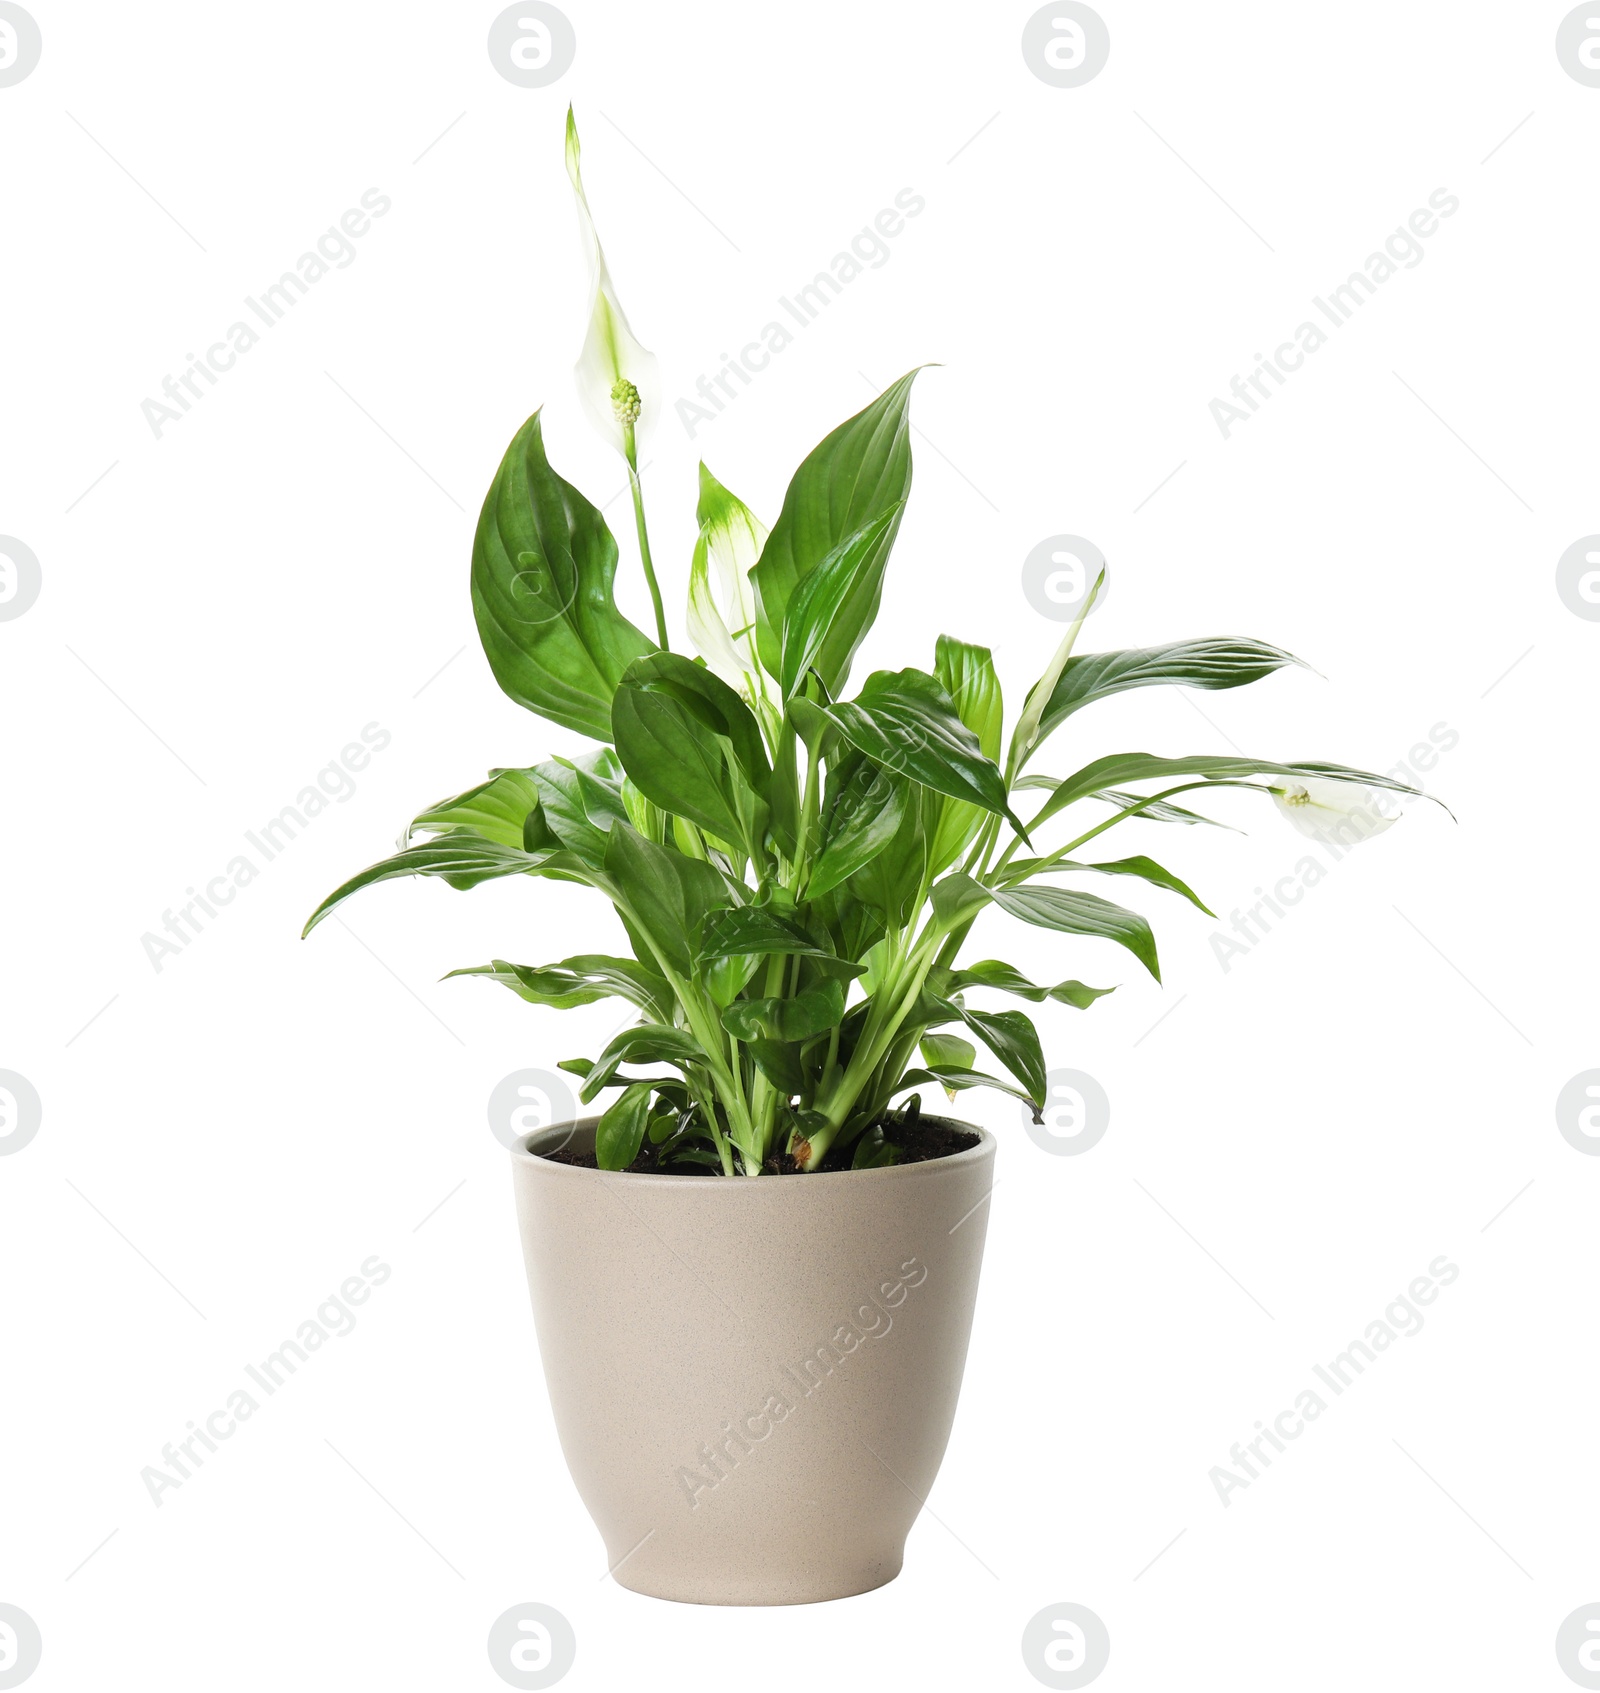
(796, 865)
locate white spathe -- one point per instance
(611, 351)
(1340, 813)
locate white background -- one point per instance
(229, 604)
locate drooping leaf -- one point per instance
(461, 859)
(954, 1079)
(1012, 1038)
(860, 471)
(644, 1043)
(1075, 913)
(620, 1131)
(579, 981)
(497, 809)
(905, 721)
(754, 929)
(950, 1051)
(1142, 766)
(1146, 869)
(542, 567)
(1006, 978)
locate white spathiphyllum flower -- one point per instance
(722, 604)
(1341, 814)
(618, 379)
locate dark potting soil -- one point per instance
(917, 1138)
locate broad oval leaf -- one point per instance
(620, 1132)
(816, 603)
(644, 1043)
(808, 1014)
(497, 809)
(542, 567)
(663, 894)
(863, 816)
(1075, 913)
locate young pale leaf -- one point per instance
(949, 1051)
(620, 1132)
(859, 472)
(542, 567)
(1224, 662)
(722, 604)
(815, 605)
(611, 351)
(905, 721)
(1075, 913)
(461, 859)
(1025, 736)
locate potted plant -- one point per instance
(753, 1272)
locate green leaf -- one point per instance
(579, 981)
(461, 859)
(1146, 869)
(863, 815)
(496, 809)
(874, 1152)
(815, 605)
(1162, 811)
(668, 895)
(1006, 978)
(951, 1051)
(754, 929)
(968, 676)
(690, 744)
(779, 1062)
(1143, 766)
(905, 721)
(644, 1043)
(860, 471)
(801, 1018)
(1012, 1038)
(1074, 913)
(1225, 662)
(620, 1132)
(578, 806)
(955, 1079)
(542, 568)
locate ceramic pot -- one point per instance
(753, 1379)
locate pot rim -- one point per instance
(521, 1154)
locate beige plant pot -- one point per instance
(753, 1380)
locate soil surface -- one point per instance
(918, 1139)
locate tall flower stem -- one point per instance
(630, 452)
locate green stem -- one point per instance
(631, 453)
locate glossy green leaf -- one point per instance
(542, 568)
(1012, 1038)
(865, 810)
(669, 895)
(754, 929)
(968, 675)
(950, 1051)
(461, 859)
(1006, 978)
(620, 1131)
(955, 1079)
(779, 1062)
(1142, 766)
(860, 471)
(810, 1013)
(496, 809)
(907, 722)
(816, 605)
(1075, 913)
(1225, 662)
(644, 1043)
(578, 806)
(1146, 869)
